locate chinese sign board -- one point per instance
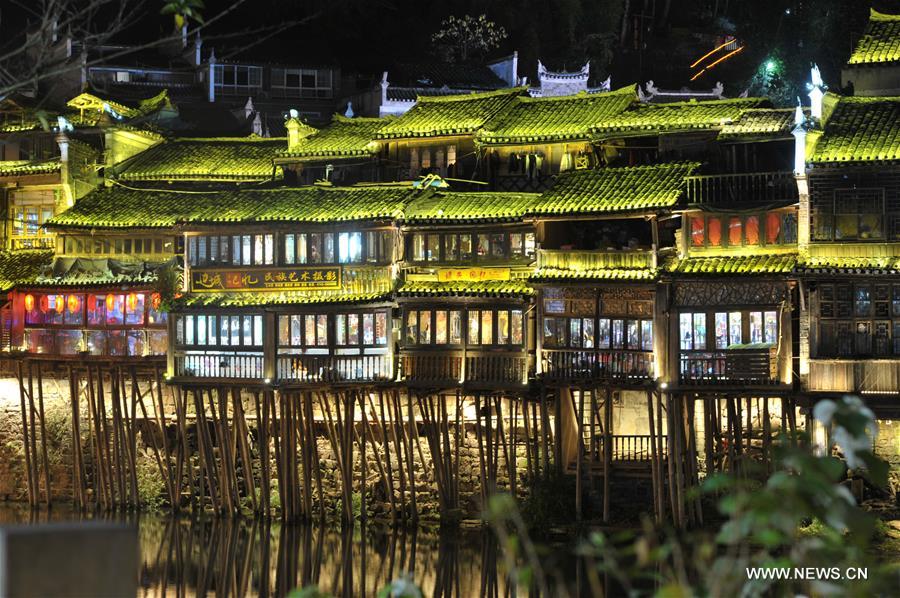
(472, 274)
(277, 279)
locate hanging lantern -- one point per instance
(132, 301)
(59, 305)
(155, 301)
(29, 302)
(110, 302)
(73, 303)
(45, 304)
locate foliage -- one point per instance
(169, 280)
(465, 38)
(549, 501)
(402, 587)
(183, 11)
(800, 516)
(151, 486)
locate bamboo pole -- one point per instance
(25, 436)
(44, 455)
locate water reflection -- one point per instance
(241, 557)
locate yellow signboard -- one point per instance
(277, 279)
(472, 274)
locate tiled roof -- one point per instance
(850, 265)
(92, 102)
(534, 120)
(503, 288)
(615, 189)
(93, 272)
(343, 138)
(743, 264)
(31, 122)
(434, 116)
(861, 129)
(26, 167)
(442, 206)
(565, 274)
(650, 119)
(118, 207)
(235, 158)
(760, 123)
(277, 298)
(881, 41)
(22, 266)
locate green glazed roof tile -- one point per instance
(434, 116)
(445, 206)
(760, 123)
(565, 274)
(236, 158)
(881, 41)
(22, 266)
(119, 207)
(554, 119)
(27, 167)
(616, 189)
(494, 288)
(742, 265)
(845, 265)
(343, 138)
(651, 119)
(861, 129)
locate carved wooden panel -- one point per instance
(734, 293)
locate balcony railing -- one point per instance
(625, 447)
(573, 365)
(497, 368)
(432, 367)
(335, 368)
(854, 375)
(595, 260)
(32, 242)
(743, 366)
(220, 365)
(454, 368)
(758, 187)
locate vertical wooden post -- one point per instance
(579, 462)
(607, 452)
(26, 443)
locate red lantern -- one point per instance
(29, 302)
(155, 301)
(74, 304)
(59, 305)
(110, 302)
(132, 301)
(45, 304)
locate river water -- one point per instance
(245, 557)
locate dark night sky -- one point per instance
(368, 35)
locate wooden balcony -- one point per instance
(32, 242)
(754, 187)
(240, 366)
(757, 366)
(595, 259)
(454, 368)
(866, 376)
(570, 365)
(335, 368)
